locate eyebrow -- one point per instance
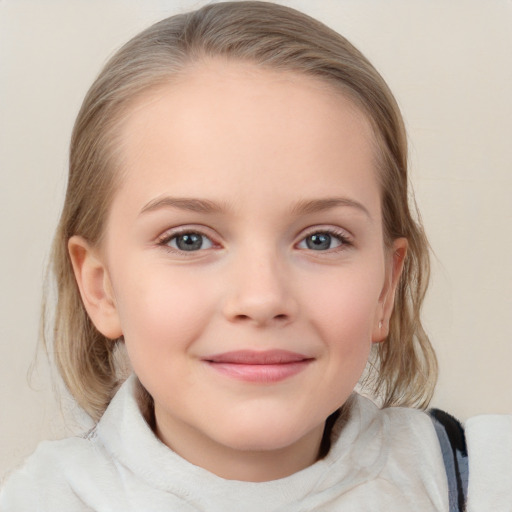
(303, 207)
(188, 204)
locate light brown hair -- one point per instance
(403, 369)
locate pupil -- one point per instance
(319, 241)
(189, 242)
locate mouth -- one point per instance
(259, 366)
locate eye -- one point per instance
(188, 241)
(323, 241)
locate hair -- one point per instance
(403, 369)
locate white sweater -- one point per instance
(383, 460)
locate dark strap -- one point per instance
(452, 440)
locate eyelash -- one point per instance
(164, 240)
(342, 236)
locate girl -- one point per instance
(236, 232)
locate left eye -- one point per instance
(321, 241)
(190, 242)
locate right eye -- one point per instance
(188, 241)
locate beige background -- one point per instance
(450, 66)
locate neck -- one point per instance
(244, 465)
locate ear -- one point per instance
(394, 266)
(95, 288)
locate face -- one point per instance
(243, 260)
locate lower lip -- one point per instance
(263, 373)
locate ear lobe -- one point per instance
(395, 266)
(95, 289)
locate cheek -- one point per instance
(163, 311)
(345, 321)
(348, 305)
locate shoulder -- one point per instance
(489, 440)
(391, 420)
(406, 436)
(46, 480)
(476, 456)
(83, 472)
(397, 454)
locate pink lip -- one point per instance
(253, 366)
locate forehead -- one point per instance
(221, 120)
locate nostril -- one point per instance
(259, 308)
(245, 318)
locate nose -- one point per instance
(260, 292)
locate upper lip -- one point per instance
(257, 357)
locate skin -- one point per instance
(269, 150)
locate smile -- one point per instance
(263, 367)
